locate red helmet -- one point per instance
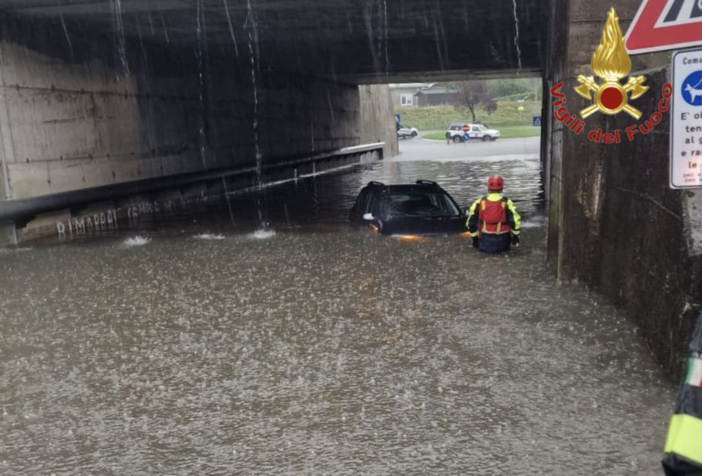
(495, 183)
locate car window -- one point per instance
(365, 202)
(483, 128)
(476, 129)
(371, 205)
(455, 128)
(399, 205)
(358, 207)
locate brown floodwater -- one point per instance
(193, 344)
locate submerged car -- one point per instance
(412, 209)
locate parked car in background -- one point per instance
(475, 131)
(409, 209)
(404, 131)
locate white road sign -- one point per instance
(686, 121)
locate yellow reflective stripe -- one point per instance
(515, 216)
(474, 234)
(471, 212)
(482, 205)
(473, 207)
(685, 437)
(499, 225)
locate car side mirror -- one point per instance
(368, 216)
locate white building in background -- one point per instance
(403, 94)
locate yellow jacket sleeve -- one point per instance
(515, 217)
(472, 221)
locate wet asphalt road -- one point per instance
(501, 149)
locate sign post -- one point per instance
(466, 128)
(686, 121)
(661, 25)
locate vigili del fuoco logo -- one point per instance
(610, 63)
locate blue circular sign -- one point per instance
(692, 89)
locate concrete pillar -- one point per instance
(377, 119)
(573, 172)
(553, 130)
(615, 224)
(8, 234)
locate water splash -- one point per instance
(65, 31)
(254, 53)
(516, 36)
(440, 39)
(14, 250)
(375, 18)
(165, 30)
(151, 22)
(534, 222)
(367, 20)
(201, 77)
(385, 36)
(137, 241)
(263, 234)
(231, 27)
(209, 236)
(226, 197)
(116, 6)
(331, 106)
(141, 39)
(251, 26)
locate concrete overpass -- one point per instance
(348, 41)
(110, 95)
(103, 92)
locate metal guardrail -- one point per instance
(18, 211)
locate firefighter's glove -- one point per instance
(515, 240)
(476, 242)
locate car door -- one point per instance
(359, 207)
(476, 132)
(372, 207)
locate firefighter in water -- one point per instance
(683, 447)
(493, 221)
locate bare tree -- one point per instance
(472, 94)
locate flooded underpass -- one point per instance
(194, 344)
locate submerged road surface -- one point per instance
(193, 345)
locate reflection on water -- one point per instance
(321, 349)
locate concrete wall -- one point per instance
(378, 118)
(615, 224)
(76, 115)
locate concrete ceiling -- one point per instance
(360, 41)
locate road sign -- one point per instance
(536, 121)
(665, 25)
(686, 121)
(466, 127)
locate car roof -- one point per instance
(423, 186)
